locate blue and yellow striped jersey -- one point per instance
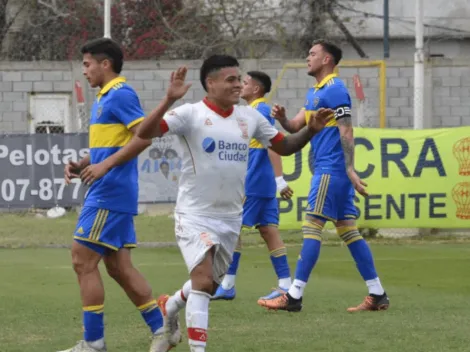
(330, 93)
(115, 110)
(260, 181)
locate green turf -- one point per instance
(428, 285)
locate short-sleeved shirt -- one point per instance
(215, 155)
(331, 92)
(260, 181)
(115, 111)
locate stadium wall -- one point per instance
(448, 86)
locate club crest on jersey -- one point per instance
(243, 126)
(208, 122)
(316, 101)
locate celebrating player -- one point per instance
(333, 183)
(260, 209)
(105, 228)
(215, 134)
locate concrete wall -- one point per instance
(447, 85)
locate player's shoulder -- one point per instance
(264, 109)
(336, 84)
(122, 90)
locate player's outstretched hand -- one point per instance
(319, 120)
(71, 170)
(278, 112)
(93, 173)
(359, 185)
(178, 87)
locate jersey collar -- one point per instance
(257, 101)
(110, 85)
(216, 109)
(325, 80)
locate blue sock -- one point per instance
(232, 270)
(280, 264)
(93, 324)
(152, 315)
(360, 251)
(310, 250)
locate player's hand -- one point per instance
(278, 112)
(319, 120)
(358, 184)
(178, 88)
(287, 193)
(93, 173)
(71, 170)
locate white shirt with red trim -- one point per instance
(215, 155)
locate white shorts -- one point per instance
(196, 234)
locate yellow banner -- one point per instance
(416, 179)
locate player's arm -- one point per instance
(72, 169)
(154, 125)
(287, 145)
(293, 125)
(281, 184)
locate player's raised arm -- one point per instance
(152, 126)
(287, 145)
(291, 126)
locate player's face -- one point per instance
(250, 88)
(225, 85)
(316, 59)
(92, 70)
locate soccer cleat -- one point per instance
(171, 335)
(283, 302)
(222, 294)
(372, 303)
(82, 346)
(274, 294)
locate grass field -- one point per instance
(428, 283)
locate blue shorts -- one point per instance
(104, 230)
(260, 212)
(331, 197)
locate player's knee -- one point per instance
(312, 228)
(349, 233)
(202, 281)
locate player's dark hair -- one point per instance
(215, 63)
(331, 49)
(262, 78)
(105, 48)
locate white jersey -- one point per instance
(215, 156)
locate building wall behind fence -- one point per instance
(447, 86)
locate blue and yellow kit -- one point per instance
(260, 207)
(107, 219)
(332, 193)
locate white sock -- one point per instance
(375, 287)
(285, 283)
(296, 291)
(197, 319)
(97, 345)
(228, 282)
(178, 301)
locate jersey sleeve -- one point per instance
(177, 121)
(126, 107)
(265, 133)
(265, 110)
(339, 101)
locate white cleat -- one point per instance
(82, 346)
(171, 335)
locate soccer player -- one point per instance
(260, 209)
(332, 189)
(215, 134)
(105, 229)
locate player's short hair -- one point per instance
(331, 49)
(105, 48)
(215, 63)
(262, 78)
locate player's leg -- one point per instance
(86, 255)
(360, 251)
(252, 208)
(268, 229)
(320, 209)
